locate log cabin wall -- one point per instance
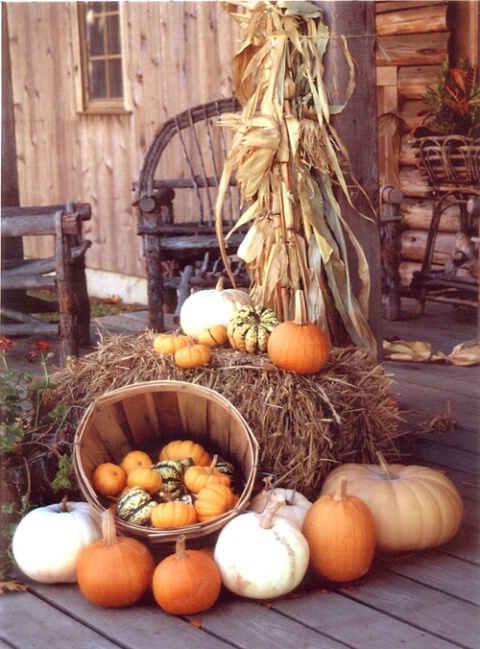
(413, 39)
(177, 55)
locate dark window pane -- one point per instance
(98, 87)
(96, 38)
(113, 35)
(116, 83)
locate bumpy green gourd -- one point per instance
(250, 328)
(135, 506)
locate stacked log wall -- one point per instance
(413, 40)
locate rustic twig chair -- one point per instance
(175, 195)
(63, 273)
(451, 167)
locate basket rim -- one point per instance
(160, 535)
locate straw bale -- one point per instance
(305, 425)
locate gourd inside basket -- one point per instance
(146, 416)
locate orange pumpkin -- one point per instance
(180, 449)
(193, 355)
(136, 460)
(213, 501)
(198, 477)
(186, 582)
(171, 343)
(214, 336)
(175, 513)
(146, 479)
(109, 479)
(341, 534)
(116, 571)
(298, 345)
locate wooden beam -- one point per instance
(357, 127)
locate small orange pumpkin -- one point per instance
(179, 449)
(341, 534)
(298, 345)
(214, 336)
(186, 582)
(116, 571)
(109, 479)
(198, 477)
(193, 355)
(171, 343)
(213, 501)
(147, 479)
(136, 460)
(174, 513)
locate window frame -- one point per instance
(85, 105)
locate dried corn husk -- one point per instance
(288, 161)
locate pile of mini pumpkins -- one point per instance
(214, 317)
(186, 486)
(262, 553)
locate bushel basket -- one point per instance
(146, 416)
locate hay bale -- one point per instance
(305, 425)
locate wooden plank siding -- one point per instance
(178, 54)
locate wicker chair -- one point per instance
(175, 196)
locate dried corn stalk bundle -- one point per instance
(288, 160)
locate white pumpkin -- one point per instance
(210, 307)
(294, 510)
(48, 540)
(261, 556)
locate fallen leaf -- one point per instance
(12, 586)
(196, 622)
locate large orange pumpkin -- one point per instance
(116, 571)
(341, 535)
(186, 582)
(298, 345)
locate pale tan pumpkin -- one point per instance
(414, 507)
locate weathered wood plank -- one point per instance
(444, 573)
(133, 627)
(465, 545)
(246, 624)
(417, 49)
(356, 624)
(46, 626)
(421, 19)
(436, 612)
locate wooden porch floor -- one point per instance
(425, 600)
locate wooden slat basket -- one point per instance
(146, 416)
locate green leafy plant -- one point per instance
(453, 101)
(32, 427)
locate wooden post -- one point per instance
(358, 128)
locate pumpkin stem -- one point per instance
(387, 474)
(63, 505)
(340, 495)
(212, 465)
(220, 284)
(270, 510)
(300, 309)
(180, 552)
(109, 531)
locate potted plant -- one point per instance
(448, 141)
